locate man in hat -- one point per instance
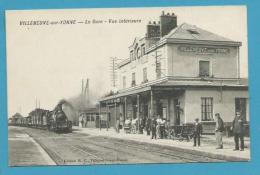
(219, 131)
(153, 127)
(117, 124)
(148, 125)
(82, 123)
(238, 131)
(158, 127)
(197, 132)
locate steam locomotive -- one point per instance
(55, 120)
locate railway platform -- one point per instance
(207, 148)
(24, 150)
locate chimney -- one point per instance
(153, 30)
(167, 23)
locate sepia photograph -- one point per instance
(99, 86)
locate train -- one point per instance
(55, 120)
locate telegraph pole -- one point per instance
(113, 67)
(86, 91)
(82, 86)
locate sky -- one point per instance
(48, 62)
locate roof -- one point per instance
(17, 115)
(192, 32)
(187, 33)
(89, 110)
(199, 84)
(174, 82)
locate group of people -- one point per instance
(237, 128)
(158, 127)
(84, 122)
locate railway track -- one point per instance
(80, 149)
(175, 155)
(59, 159)
(170, 152)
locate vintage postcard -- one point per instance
(127, 85)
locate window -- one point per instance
(133, 79)
(240, 106)
(193, 31)
(138, 52)
(124, 81)
(92, 118)
(204, 68)
(142, 50)
(145, 75)
(206, 109)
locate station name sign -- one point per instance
(113, 101)
(203, 50)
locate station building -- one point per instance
(180, 72)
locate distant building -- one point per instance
(90, 118)
(16, 119)
(180, 72)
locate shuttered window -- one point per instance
(206, 108)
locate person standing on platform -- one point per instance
(148, 125)
(158, 127)
(121, 121)
(117, 125)
(197, 132)
(141, 125)
(219, 131)
(153, 127)
(85, 122)
(168, 129)
(238, 131)
(82, 123)
(163, 123)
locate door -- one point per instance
(177, 112)
(159, 108)
(91, 120)
(134, 111)
(145, 111)
(164, 113)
